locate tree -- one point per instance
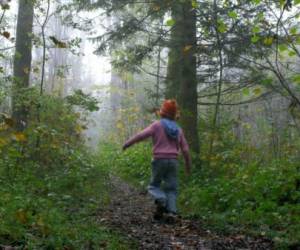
(22, 60)
(216, 46)
(181, 80)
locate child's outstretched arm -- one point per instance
(144, 134)
(186, 153)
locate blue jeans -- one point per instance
(163, 186)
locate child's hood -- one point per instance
(171, 128)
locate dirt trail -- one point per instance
(130, 212)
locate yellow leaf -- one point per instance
(19, 136)
(246, 125)
(42, 226)
(257, 91)
(187, 48)
(120, 125)
(268, 40)
(136, 109)
(21, 216)
(54, 146)
(40, 222)
(3, 142)
(78, 129)
(195, 4)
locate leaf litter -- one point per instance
(130, 212)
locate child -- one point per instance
(167, 139)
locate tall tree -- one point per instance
(175, 55)
(22, 60)
(181, 80)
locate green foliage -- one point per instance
(243, 188)
(222, 27)
(233, 191)
(83, 100)
(50, 186)
(232, 14)
(51, 211)
(255, 1)
(134, 164)
(262, 199)
(170, 22)
(254, 39)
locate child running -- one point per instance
(167, 139)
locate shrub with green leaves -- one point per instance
(133, 165)
(50, 185)
(262, 199)
(251, 197)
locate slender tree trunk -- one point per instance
(157, 86)
(181, 77)
(2, 16)
(44, 48)
(43, 26)
(22, 60)
(220, 81)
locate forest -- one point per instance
(80, 80)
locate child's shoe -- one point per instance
(171, 217)
(160, 210)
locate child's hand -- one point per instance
(125, 146)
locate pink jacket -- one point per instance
(163, 146)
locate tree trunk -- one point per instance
(22, 60)
(174, 68)
(181, 77)
(215, 126)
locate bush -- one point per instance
(134, 164)
(255, 198)
(264, 199)
(50, 186)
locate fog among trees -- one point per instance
(80, 77)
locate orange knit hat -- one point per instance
(169, 109)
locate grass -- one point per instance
(258, 199)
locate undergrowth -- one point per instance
(51, 187)
(254, 198)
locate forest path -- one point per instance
(130, 212)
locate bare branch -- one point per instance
(237, 103)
